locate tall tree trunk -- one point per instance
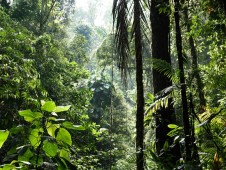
(121, 17)
(45, 12)
(195, 69)
(140, 90)
(160, 50)
(194, 154)
(182, 82)
(202, 100)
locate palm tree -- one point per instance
(120, 16)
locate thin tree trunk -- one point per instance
(160, 50)
(195, 69)
(140, 90)
(202, 100)
(45, 14)
(194, 154)
(182, 82)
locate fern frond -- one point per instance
(165, 68)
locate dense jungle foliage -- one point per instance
(117, 84)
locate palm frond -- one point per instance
(142, 18)
(120, 19)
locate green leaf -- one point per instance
(35, 137)
(49, 106)
(35, 158)
(29, 116)
(64, 154)
(26, 156)
(51, 128)
(22, 149)
(166, 102)
(17, 129)
(50, 148)
(172, 126)
(166, 146)
(8, 167)
(70, 125)
(61, 164)
(163, 67)
(3, 136)
(64, 136)
(61, 108)
(174, 131)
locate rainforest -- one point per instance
(113, 84)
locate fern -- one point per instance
(165, 68)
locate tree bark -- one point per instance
(160, 50)
(140, 90)
(182, 82)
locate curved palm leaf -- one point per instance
(120, 17)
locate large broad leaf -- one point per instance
(70, 125)
(50, 148)
(9, 167)
(35, 137)
(29, 116)
(51, 128)
(61, 108)
(49, 106)
(3, 136)
(64, 136)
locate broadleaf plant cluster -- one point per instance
(48, 140)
